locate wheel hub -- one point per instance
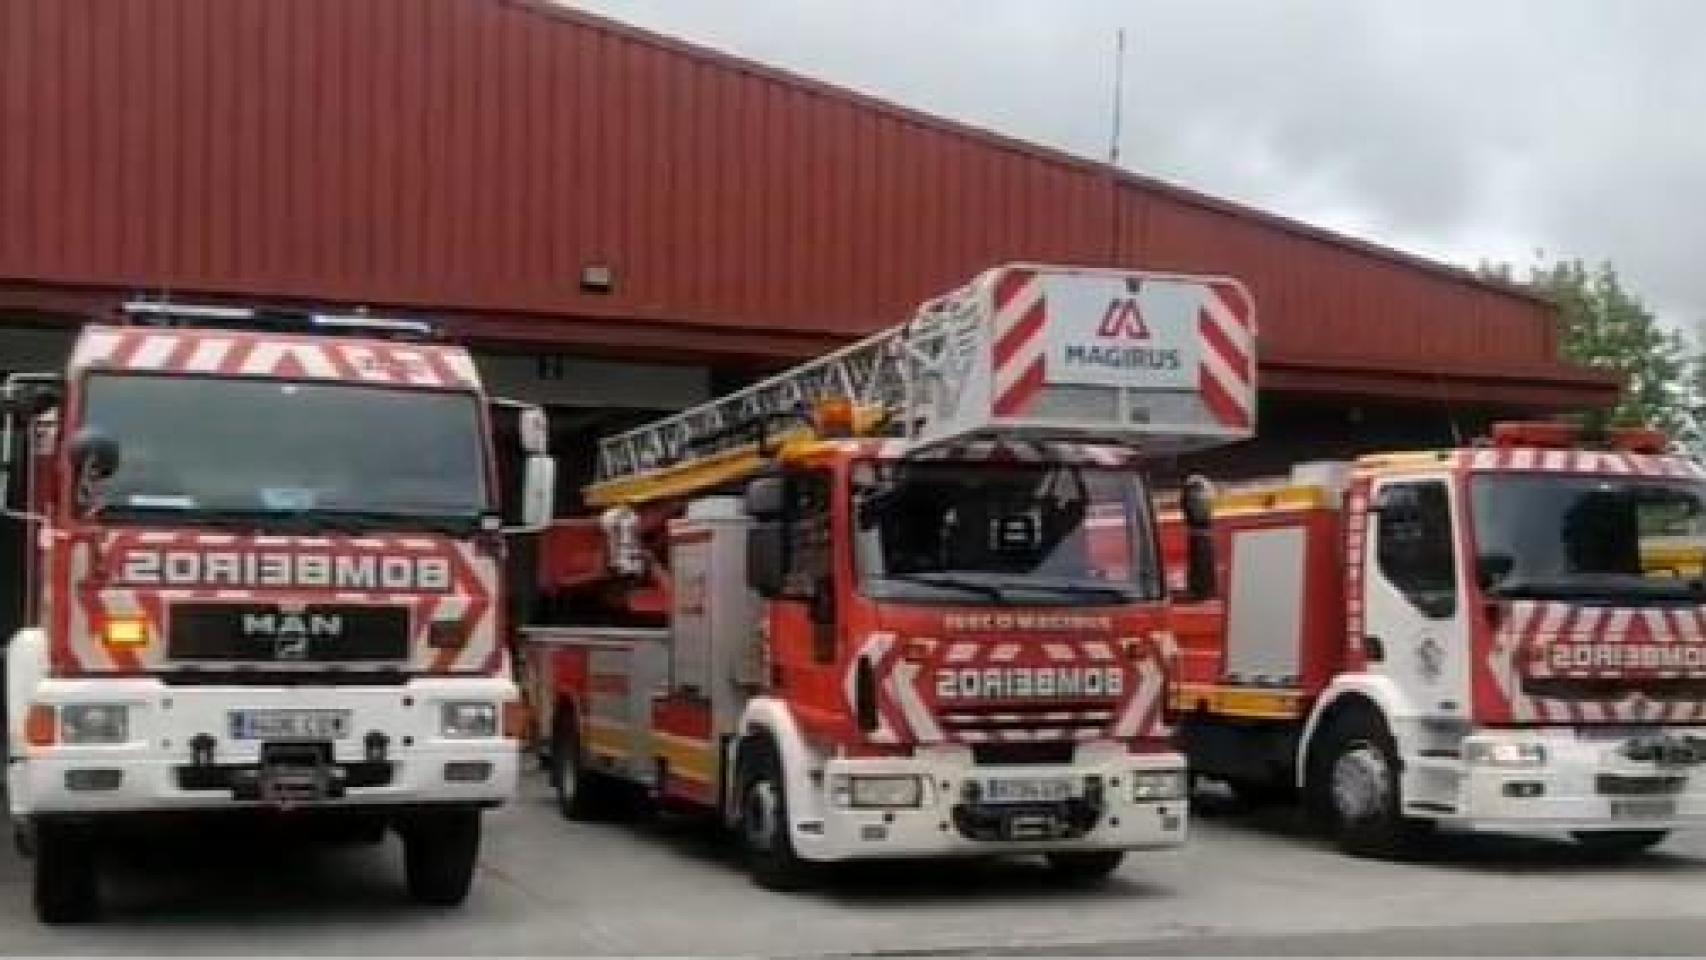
(1360, 783)
(761, 815)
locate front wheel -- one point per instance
(440, 851)
(1091, 866)
(1619, 843)
(66, 886)
(1356, 790)
(765, 838)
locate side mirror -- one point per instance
(765, 564)
(1197, 504)
(765, 498)
(94, 454)
(538, 493)
(1196, 501)
(533, 430)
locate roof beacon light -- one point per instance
(1536, 433)
(833, 417)
(274, 320)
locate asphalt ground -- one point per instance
(1249, 882)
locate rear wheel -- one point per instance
(765, 838)
(581, 793)
(440, 851)
(66, 884)
(1619, 843)
(1084, 868)
(1356, 792)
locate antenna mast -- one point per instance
(1119, 96)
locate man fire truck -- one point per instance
(263, 579)
(1469, 636)
(933, 623)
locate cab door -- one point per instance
(1415, 622)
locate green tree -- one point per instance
(1604, 325)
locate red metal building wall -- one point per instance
(472, 155)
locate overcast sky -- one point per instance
(1461, 129)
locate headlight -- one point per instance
(1505, 753)
(878, 791)
(1148, 786)
(88, 723)
(465, 720)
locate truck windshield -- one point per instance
(282, 453)
(1003, 533)
(1607, 540)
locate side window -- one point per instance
(808, 554)
(1414, 546)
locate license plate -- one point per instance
(1645, 809)
(289, 724)
(1027, 790)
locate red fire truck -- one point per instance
(929, 621)
(263, 576)
(1470, 636)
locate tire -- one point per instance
(766, 841)
(1086, 868)
(66, 882)
(440, 851)
(1617, 844)
(1355, 790)
(582, 794)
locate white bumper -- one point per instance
(164, 721)
(945, 824)
(1585, 783)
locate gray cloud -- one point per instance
(1464, 129)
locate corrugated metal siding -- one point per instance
(474, 154)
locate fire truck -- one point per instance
(263, 581)
(1481, 636)
(903, 600)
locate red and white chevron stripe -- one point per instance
(1228, 378)
(1021, 317)
(237, 354)
(1542, 643)
(1607, 462)
(465, 610)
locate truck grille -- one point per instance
(1613, 785)
(1035, 753)
(260, 632)
(1027, 722)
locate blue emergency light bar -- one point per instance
(161, 313)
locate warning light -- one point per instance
(834, 417)
(1536, 433)
(125, 632)
(41, 726)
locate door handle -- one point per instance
(1373, 649)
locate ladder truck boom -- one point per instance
(1159, 360)
(900, 600)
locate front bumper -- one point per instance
(166, 764)
(947, 823)
(1587, 782)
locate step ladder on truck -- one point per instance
(903, 600)
(263, 582)
(1494, 637)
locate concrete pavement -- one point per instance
(1247, 884)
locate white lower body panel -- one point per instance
(945, 824)
(165, 721)
(1586, 783)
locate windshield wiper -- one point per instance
(371, 521)
(1077, 589)
(1599, 588)
(989, 590)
